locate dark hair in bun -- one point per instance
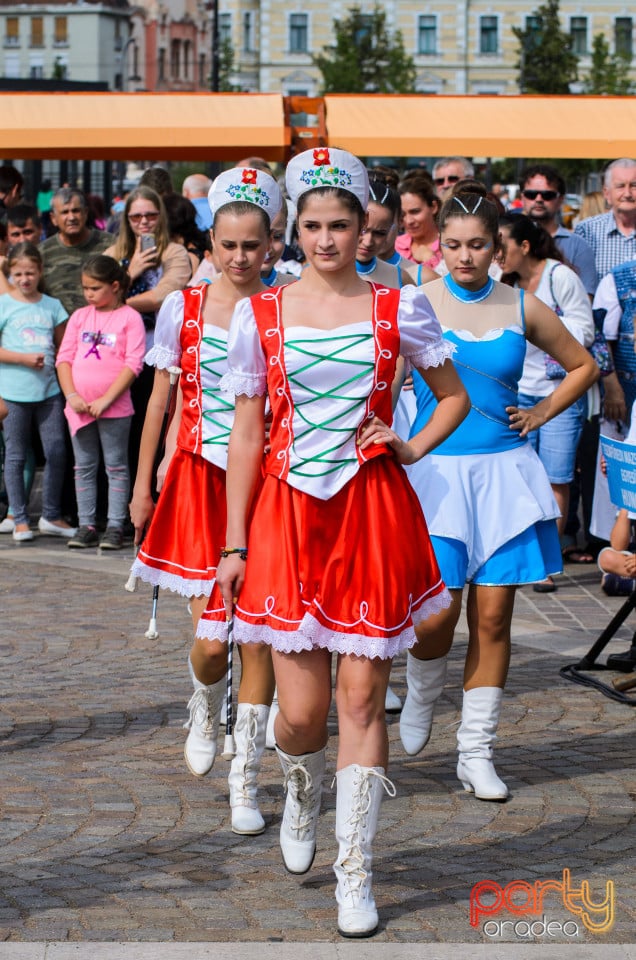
(470, 198)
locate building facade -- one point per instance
(459, 46)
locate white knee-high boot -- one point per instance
(203, 724)
(249, 740)
(358, 799)
(475, 738)
(303, 781)
(425, 679)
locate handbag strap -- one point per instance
(557, 309)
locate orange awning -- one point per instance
(142, 126)
(436, 126)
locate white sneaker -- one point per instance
(52, 530)
(7, 525)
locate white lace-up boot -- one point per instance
(358, 798)
(270, 739)
(203, 724)
(303, 781)
(425, 680)
(249, 740)
(475, 738)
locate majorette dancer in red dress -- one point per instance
(338, 558)
(186, 530)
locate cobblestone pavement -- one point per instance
(106, 837)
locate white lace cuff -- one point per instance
(244, 384)
(162, 358)
(433, 355)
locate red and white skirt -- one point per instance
(352, 574)
(187, 533)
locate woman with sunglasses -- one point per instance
(156, 267)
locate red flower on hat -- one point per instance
(249, 176)
(321, 157)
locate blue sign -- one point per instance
(620, 457)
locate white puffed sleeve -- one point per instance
(421, 341)
(606, 298)
(247, 367)
(166, 350)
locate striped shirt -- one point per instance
(610, 246)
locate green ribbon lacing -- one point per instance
(216, 402)
(303, 408)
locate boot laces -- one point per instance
(249, 724)
(299, 783)
(353, 863)
(200, 707)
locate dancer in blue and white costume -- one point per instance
(485, 494)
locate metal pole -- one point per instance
(214, 76)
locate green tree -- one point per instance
(546, 62)
(609, 72)
(366, 57)
(226, 68)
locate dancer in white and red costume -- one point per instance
(186, 534)
(338, 557)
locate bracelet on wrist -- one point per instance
(228, 551)
(74, 394)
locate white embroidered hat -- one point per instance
(327, 167)
(245, 183)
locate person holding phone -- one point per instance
(156, 267)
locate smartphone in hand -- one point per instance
(148, 242)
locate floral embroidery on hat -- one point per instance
(249, 176)
(321, 156)
(250, 192)
(326, 177)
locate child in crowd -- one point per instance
(101, 355)
(31, 329)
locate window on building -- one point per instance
(175, 59)
(225, 28)
(12, 34)
(60, 34)
(299, 33)
(623, 37)
(365, 28)
(578, 35)
(426, 34)
(488, 35)
(533, 24)
(37, 31)
(248, 32)
(36, 71)
(161, 64)
(187, 56)
(203, 80)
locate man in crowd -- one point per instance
(542, 190)
(65, 253)
(447, 171)
(612, 235)
(195, 188)
(23, 224)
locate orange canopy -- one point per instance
(484, 126)
(142, 126)
(229, 126)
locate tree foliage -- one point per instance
(366, 57)
(609, 72)
(546, 62)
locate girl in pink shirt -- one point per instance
(101, 355)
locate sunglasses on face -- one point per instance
(440, 181)
(546, 194)
(138, 217)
